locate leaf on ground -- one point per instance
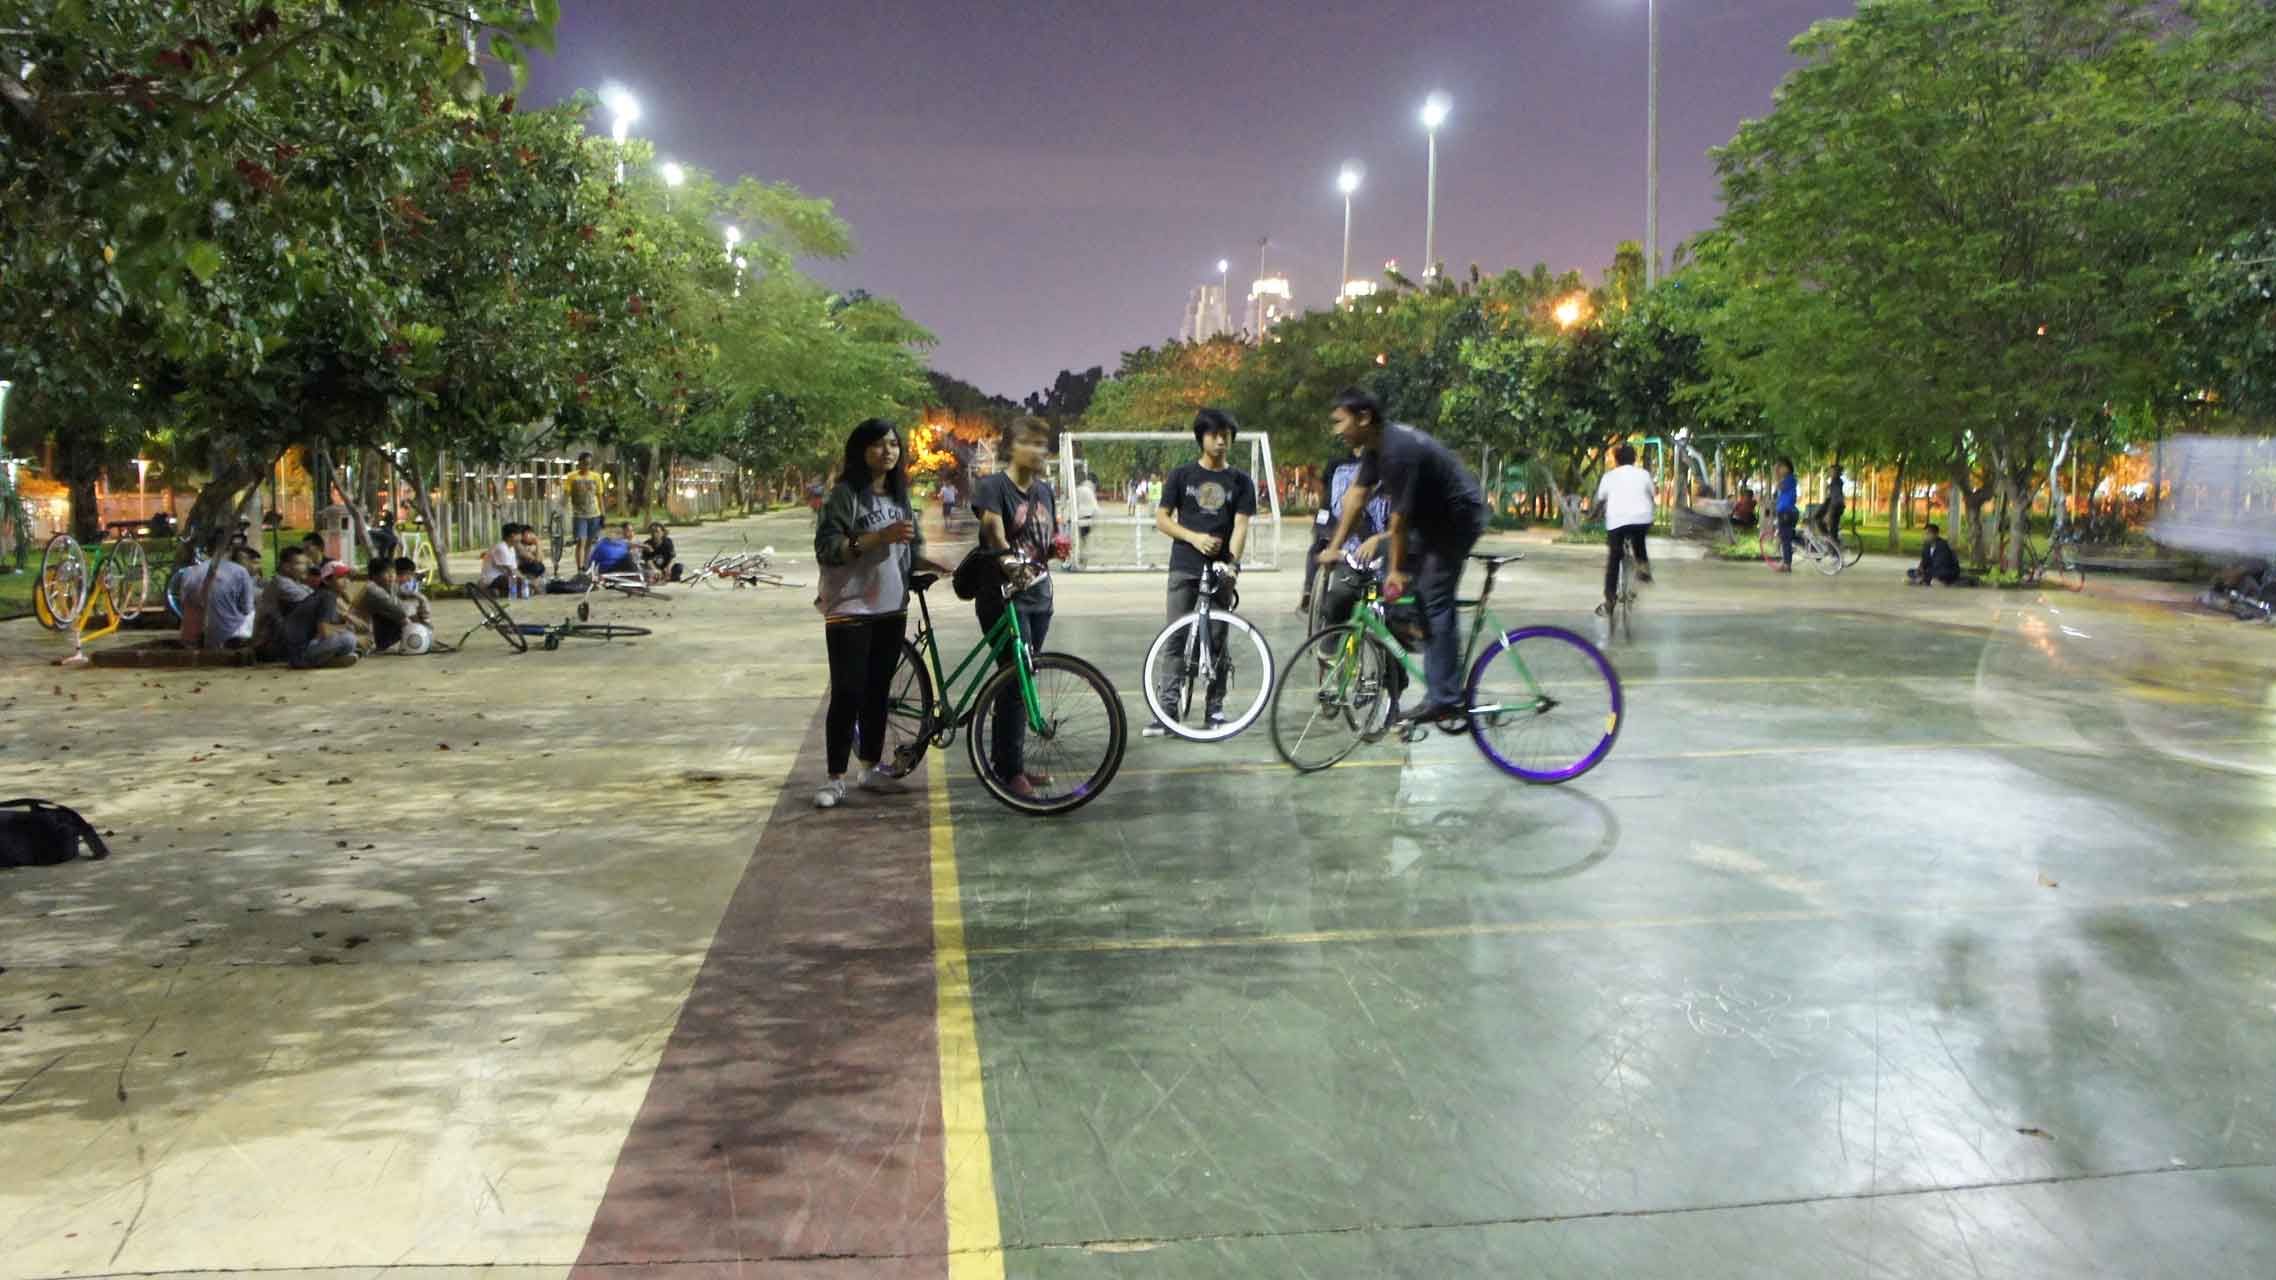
(2036, 1133)
(2046, 883)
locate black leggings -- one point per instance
(1633, 535)
(863, 655)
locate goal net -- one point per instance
(1121, 534)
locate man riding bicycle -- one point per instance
(1434, 497)
(1624, 499)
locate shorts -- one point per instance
(585, 528)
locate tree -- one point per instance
(1068, 396)
(1968, 221)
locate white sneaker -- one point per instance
(878, 777)
(832, 794)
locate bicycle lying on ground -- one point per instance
(1540, 702)
(492, 616)
(1060, 714)
(744, 568)
(1212, 648)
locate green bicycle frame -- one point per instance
(1368, 615)
(985, 654)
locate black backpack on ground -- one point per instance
(40, 833)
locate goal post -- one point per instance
(1121, 536)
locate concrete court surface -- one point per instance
(1903, 934)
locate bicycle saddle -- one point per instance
(922, 581)
(1499, 561)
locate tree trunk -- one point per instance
(424, 505)
(1971, 512)
(1896, 503)
(236, 475)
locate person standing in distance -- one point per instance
(1837, 499)
(1788, 504)
(584, 487)
(1205, 512)
(1624, 498)
(1435, 502)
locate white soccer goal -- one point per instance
(1120, 538)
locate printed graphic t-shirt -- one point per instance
(1031, 520)
(1206, 501)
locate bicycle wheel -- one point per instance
(594, 631)
(423, 557)
(494, 618)
(129, 569)
(1545, 704)
(1852, 546)
(1336, 693)
(1320, 577)
(1071, 759)
(1766, 542)
(1244, 663)
(1825, 556)
(909, 714)
(64, 581)
(2063, 567)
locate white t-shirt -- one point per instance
(500, 564)
(1626, 495)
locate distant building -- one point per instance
(1271, 300)
(1354, 290)
(1205, 314)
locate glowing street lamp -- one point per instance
(1224, 282)
(1346, 182)
(141, 488)
(674, 175)
(1434, 112)
(624, 110)
(1570, 311)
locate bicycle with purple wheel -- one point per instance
(1542, 703)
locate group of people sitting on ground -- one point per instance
(515, 568)
(301, 615)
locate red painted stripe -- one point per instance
(796, 1110)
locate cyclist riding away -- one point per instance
(1205, 512)
(1432, 496)
(1624, 498)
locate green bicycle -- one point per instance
(1540, 702)
(1046, 731)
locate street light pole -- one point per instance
(624, 109)
(1652, 145)
(1434, 112)
(1346, 182)
(1224, 298)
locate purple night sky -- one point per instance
(1041, 192)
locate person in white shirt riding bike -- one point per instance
(1625, 499)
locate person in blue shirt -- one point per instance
(1789, 510)
(616, 552)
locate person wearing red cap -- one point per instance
(316, 631)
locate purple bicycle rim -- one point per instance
(1603, 665)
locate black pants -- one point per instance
(1185, 593)
(1435, 584)
(1007, 736)
(1787, 520)
(1633, 535)
(863, 655)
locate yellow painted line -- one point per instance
(975, 1233)
(1528, 928)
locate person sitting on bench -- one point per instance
(1938, 565)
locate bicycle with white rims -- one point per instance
(1217, 651)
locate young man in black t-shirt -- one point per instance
(1435, 500)
(1205, 512)
(1018, 512)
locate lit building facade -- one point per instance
(1205, 314)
